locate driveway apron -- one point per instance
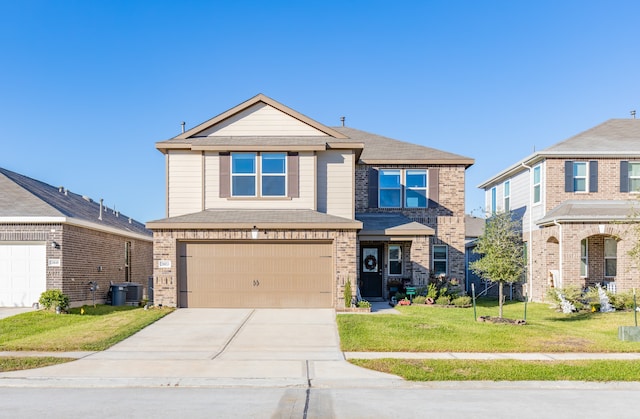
(291, 347)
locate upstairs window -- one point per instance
(243, 174)
(536, 184)
(390, 188)
(494, 200)
(579, 176)
(274, 174)
(416, 189)
(507, 195)
(634, 176)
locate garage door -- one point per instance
(23, 274)
(255, 275)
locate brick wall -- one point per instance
(81, 251)
(165, 249)
(447, 218)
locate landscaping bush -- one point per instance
(572, 294)
(54, 298)
(461, 301)
(400, 296)
(347, 294)
(432, 291)
(419, 299)
(364, 304)
(443, 300)
(622, 301)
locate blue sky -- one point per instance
(88, 87)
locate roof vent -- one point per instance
(342, 118)
(633, 114)
(86, 198)
(100, 216)
(183, 124)
(61, 189)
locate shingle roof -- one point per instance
(592, 211)
(23, 197)
(379, 149)
(619, 136)
(613, 138)
(377, 224)
(243, 218)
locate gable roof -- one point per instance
(377, 149)
(380, 150)
(613, 138)
(25, 200)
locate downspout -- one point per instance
(560, 258)
(530, 255)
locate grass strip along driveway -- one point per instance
(82, 329)
(436, 329)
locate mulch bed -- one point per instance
(498, 320)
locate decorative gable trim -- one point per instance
(256, 99)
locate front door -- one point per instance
(371, 271)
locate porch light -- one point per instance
(254, 232)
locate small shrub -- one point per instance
(461, 301)
(432, 291)
(51, 299)
(364, 304)
(347, 294)
(622, 301)
(400, 296)
(443, 300)
(419, 299)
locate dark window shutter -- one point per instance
(373, 187)
(593, 176)
(624, 176)
(225, 175)
(433, 191)
(568, 176)
(293, 175)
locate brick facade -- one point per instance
(165, 280)
(446, 218)
(81, 251)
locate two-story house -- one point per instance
(576, 199)
(269, 208)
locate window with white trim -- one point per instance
(390, 186)
(273, 177)
(243, 174)
(634, 176)
(416, 188)
(610, 257)
(580, 176)
(507, 195)
(494, 200)
(537, 184)
(584, 258)
(395, 259)
(440, 259)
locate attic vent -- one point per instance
(86, 198)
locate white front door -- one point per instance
(23, 274)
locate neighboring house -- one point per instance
(269, 208)
(51, 238)
(575, 200)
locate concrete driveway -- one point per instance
(12, 311)
(217, 347)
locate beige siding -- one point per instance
(336, 183)
(185, 182)
(262, 120)
(305, 201)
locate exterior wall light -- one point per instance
(254, 232)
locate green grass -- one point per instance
(95, 330)
(25, 363)
(505, 370)
(434, 329)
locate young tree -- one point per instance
(502, 249)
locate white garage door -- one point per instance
(23, 274)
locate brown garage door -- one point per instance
(251, 274)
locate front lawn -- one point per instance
(95, 330)
(435, 329)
